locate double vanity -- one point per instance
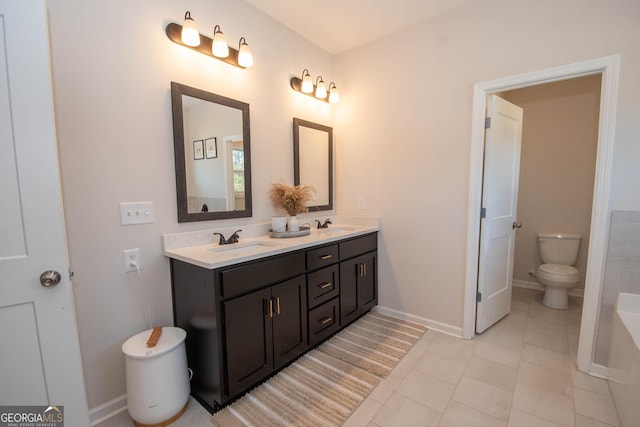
(250, 308)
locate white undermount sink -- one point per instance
(336, 229)
(241, 248)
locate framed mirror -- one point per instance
(313, 160)
(212, 145)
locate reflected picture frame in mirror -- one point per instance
(313, 161)
(228, 147)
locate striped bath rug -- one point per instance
(323, 387)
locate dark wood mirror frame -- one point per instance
(177, 90)
(297, 123)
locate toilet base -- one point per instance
(557, 298)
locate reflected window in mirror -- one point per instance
(313, 161)
(212, 155)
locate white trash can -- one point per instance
(157, 377)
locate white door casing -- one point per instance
(500, 203)
(40, 355)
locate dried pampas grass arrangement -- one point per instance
(292, 199)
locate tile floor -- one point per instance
(519, 373)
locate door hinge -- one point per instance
(479, 297)
(487, 122)
(483, 213)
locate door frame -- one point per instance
(609, 68)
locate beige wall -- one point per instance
(402, 136)
(112, 68)
(405, 128)
(557, 165)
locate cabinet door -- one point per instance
(289, 320)
(358, 287)
(248, 338)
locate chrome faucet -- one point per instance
(231, 239)
(325, 224)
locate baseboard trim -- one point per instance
(538, 287)
(431, 324)
(107, 410)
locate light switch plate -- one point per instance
(136, 213)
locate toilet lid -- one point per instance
(563, 270)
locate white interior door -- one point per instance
(39, 352)
(499, 202)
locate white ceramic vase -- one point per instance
(294, 224)
(279, 224)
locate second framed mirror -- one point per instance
(313, 160)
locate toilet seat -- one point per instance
(558, 273)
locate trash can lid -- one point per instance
(136, 346)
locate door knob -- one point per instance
(517, 225)
(50, 278)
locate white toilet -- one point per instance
(558, 251)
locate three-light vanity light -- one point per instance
(188, 35)
(318, 90)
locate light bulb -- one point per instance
(219, 47)
(307, 83)
(190, 35)
(245, 58)
(321, 89)
(334, 96)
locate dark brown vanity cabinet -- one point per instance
(264, 330)
(358, 277)
(248, 320)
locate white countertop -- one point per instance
(201, 247)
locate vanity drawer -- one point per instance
(322, 285)
(323, 321)
(358, 246)
(321, 257)
(249, 277)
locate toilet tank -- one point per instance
(558, 247)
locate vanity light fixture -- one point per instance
(334, 96)
(318, 90)
(219, 46)
(187, 35)
(190, 35)
(321, 89)
(245, 58)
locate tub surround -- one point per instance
(624, 359)
(201, 248)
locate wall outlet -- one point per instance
(130, 256)
(361, 203)
(136, 213)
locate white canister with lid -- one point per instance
(157, 377)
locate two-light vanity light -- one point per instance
(318, 90)
(188, 35)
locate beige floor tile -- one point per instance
(502, 337)
(385, 389)
(544, 357)
(458, 415)
(364, 414)
(587, 382)
(441, 367)
(518, 418)
(547, 405)
(455, 349)
(555, 329)
(402, 411)
(520, 306)
(554, 380)
(596, 406)
(582, 421)
(492, 373)
(546, 341)
(426, 390)
(498, 354)
(482, 397)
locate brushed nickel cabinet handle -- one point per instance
(270, 307)
(324, 285)
(328, 256)
(277, 305)
(326, 320)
